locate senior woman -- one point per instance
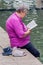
(19, 34)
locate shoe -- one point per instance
(7, 51)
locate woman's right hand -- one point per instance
(28, 31)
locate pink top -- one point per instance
(15, 29)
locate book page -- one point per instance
(32, 24)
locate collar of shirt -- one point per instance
(18, 16)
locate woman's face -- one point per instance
(23, 14)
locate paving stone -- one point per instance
(29, 59)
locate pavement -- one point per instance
(29, 59)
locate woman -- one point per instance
(19, 34)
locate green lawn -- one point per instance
(37, 33)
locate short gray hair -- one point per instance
(22, 8)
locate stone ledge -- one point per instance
(29, 59)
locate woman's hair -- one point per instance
(21, 9)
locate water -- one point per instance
(37, 33)
(16, 3)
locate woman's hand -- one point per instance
(27, 33)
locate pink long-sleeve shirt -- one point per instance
(15, 29)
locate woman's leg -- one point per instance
(32, 49)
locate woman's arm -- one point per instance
(27, 33)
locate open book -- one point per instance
(32, 24)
